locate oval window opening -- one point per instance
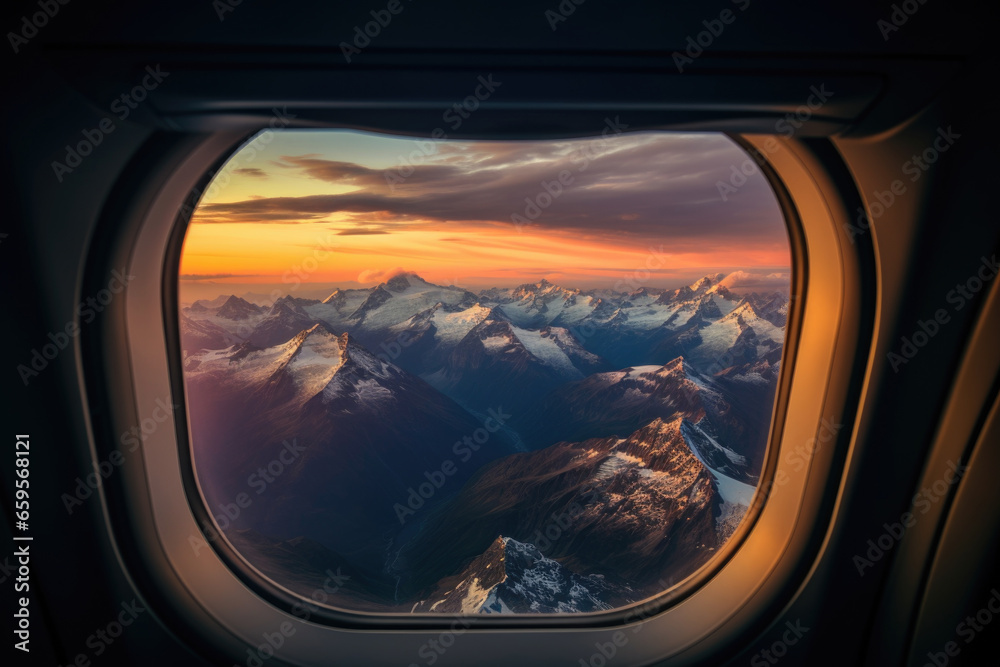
(481, 377)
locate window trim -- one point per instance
(287, 600)
(155, 230)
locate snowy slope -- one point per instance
(513, 577)
(406, 295)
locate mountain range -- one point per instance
(533, 449)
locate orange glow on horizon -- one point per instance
(313, 252)
(317, 210)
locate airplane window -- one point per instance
(436, 376)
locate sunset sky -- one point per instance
(311, 208)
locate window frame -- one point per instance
(242, 600)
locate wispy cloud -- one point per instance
(643, 185)
(375, 275)
(612, 205)
(217, 276)
(253, 172)
(360, 232)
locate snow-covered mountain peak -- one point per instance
(661, 446)
(411, 283)
(236, 308)
(652, 379)
(202, 305)
(313, 361)
(336, 295)
(286, 306)
(496, 314)
(772, 307)
(654, 433)
(317, 338)
(419, 320)
(541, 287)
(358, 359)
(722, 291)
(514, 577)
(677, 367)
(702, 285)
(531, 292)
(403, 281)
(744, 311)
(313, 358)
(678, 295)
(395, 301)
(659, 429)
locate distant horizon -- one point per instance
(204, 290)
(335, 208)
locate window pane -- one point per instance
(482, 377)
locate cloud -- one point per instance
(746, 280)
(371, 276)
(646, 186)
(360, 232)
(254, 172)
(333, 171)
(216, 276)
